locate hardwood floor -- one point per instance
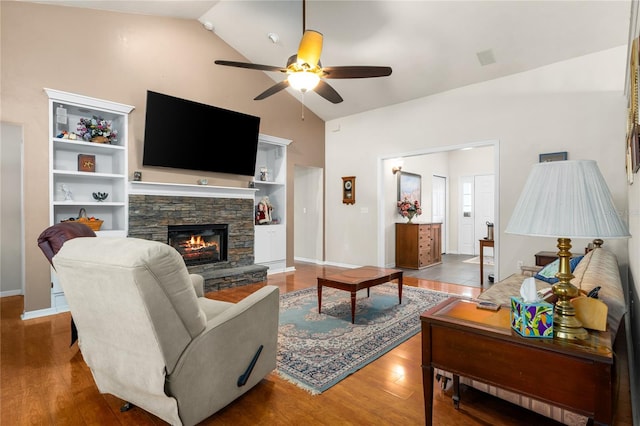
(45, 382)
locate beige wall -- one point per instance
(542, 110)
(118, 57)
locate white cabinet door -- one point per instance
(271, 247)
(262, 246)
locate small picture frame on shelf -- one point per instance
(553, 156)
(86, 163)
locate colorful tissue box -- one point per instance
(532, 319)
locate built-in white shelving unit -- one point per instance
(271, 239)
(109, 162)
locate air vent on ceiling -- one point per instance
(486, 57)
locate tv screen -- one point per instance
(189, 135)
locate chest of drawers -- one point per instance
(418, 245)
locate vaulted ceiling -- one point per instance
(432, 46)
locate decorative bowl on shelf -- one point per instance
(100, 196)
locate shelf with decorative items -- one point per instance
(88, 140)
(270, 180)
(88, 154)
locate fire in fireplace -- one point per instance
(200, 244)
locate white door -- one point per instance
(439, 206)
(466, 235)
(483, 206)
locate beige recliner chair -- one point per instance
(152, 339)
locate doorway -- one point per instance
(12, 227)
(308, 214)
(483, 202)
(466, 241)
(454, 163)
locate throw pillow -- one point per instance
(548, 273)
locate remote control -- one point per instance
(488, 306)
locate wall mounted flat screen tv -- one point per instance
(188, 135)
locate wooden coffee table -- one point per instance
(356, 279)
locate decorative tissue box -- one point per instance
(532, 319)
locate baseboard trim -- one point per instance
(27, 315)
(8, 293)
(305, 260)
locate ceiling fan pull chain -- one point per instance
(302, 103)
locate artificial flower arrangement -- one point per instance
(409, 209)
(96, 129)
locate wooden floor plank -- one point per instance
(43, 381)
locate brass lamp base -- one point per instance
(565, 323)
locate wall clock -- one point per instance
(349, 190)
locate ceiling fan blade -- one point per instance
(250, 66)
(329, 93)
(310, 48)
(355, 72)
(272, 90)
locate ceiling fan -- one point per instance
(305, 72)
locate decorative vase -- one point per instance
(410, 216)
(100, 139)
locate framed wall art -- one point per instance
(409, 186)
(553, 156)
(632, 157)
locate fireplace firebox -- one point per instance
(198, 244)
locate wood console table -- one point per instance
(483, 243)
(479, 344)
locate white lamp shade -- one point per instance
(568, 199)
(303, 80)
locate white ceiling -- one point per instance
(432, 46)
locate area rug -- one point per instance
(486, 260)
(316, 351)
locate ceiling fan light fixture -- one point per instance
(303, 80)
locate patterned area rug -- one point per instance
(316, 351)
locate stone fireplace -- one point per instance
(156, 210)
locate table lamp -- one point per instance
(566, 199)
